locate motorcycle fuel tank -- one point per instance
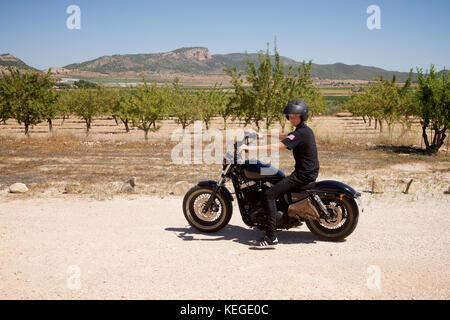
(255, 169)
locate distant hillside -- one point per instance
(185, 60)
(8, 60)
(198, 60)
(342, 71)
(195, 61)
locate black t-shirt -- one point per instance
(303, 146)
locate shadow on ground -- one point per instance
(241, 235)
(402, 149)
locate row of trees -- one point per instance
(145, 106)
(30, 98)
(259, 96)
(386, 102)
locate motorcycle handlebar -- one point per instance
(248, 135)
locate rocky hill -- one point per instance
(8, 60)
(198, 60)
(185, 60)
(194, 62)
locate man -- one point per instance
(303, 145)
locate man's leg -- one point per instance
(287, 184)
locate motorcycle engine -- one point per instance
(253, 192)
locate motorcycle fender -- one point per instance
(212, 183)
(336, 187)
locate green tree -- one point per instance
(433, 96)
(212, 102)
(407, 104)
(84, 84)
(272, 85)
(182, 105)
(259, 101)
(385, 99)
(123, 106)
(207, 110)
(50, 107)
(27, 96)
(225, 107)
(4, 110)
(149, 107)
(108, 101)
(86, 104)
(64, 103)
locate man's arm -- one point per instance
(269, 147)
(281, 136)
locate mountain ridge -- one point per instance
(198, 61)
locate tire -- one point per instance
(216, 218)
(338, 229)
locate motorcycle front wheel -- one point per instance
(341, 223)
(218, 215)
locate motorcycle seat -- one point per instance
(310, 185)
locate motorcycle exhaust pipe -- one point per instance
(304, 209)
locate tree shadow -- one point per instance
(241, 235)
(402, 149)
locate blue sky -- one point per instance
(413, 33)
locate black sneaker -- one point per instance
(266, 243)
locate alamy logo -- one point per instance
(190, 150)
(373, 21)
(374, 280)
(73, 282)
(74, 20)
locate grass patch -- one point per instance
(335, 104)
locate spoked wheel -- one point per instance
(341, 223)
(217, 216)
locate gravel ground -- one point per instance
(140, 247)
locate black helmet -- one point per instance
(297, 107)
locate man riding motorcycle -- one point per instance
(303, 145)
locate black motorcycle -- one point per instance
(329, 208)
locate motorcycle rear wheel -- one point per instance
(215, 218)
(340, 227)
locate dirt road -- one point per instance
(139, 247)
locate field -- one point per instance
(138, 244)
(349, 150)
